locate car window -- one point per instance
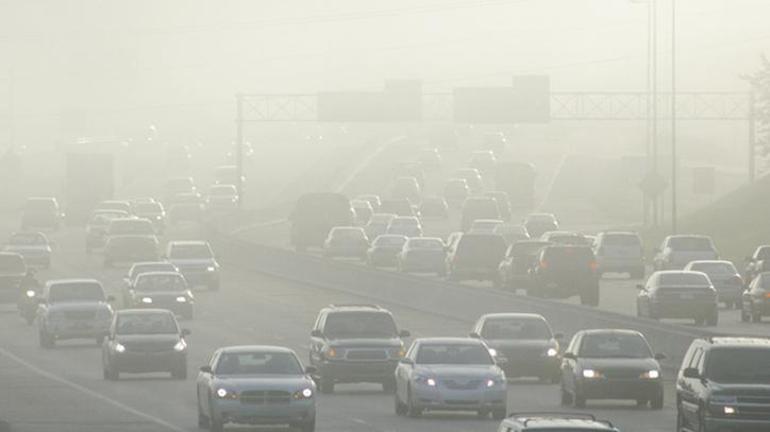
(347, 234)
(147, 268)
(515, 328)
(453, 354)
(190, 251)
(160, 282)
(75, 292)
(628, 240)
(146, 323)
(258, 363)
(738, 365)
(718, 268)
(356, 325)
(683, 278)
(426, 244)
(614, 345)
(151, 207)
(690, 243)
(132, 226)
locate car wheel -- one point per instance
(679, 419)
(308, 425)
(713, 318)
(112, 373)
(482, 413)
(641, 402)
(215, 424)
(203, 420)
(499, 414)
(389, 386)
(657, 402)
(399, 407)
(326, 385)
(579, 401)
(411, 410)
(29, 318)
(590, 297)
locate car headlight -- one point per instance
(491, 382)
(211, 269)
(552, 352)
(119, 348)
(305, 393)
(224, 393)
(493, 352)
(430, 382)
(180, 346)
(147, 300)
(590, 374)
(30, 293)
(181, 299)
(651, 374)
(331, 353)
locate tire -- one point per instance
(203, 419)
(499, 414)
(389, 386)
(29, 319)
(579, 401)
(111, 374)
(744, 316)
(215, 424)
(656, 403)
(326, 385)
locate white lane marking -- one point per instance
(90, 392)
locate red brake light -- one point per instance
(594, 265)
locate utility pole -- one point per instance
(752, 137)
(239, 148)
(673, 120)
(654, 84)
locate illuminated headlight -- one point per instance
(729, 410)
(303, 394)
(180, 346)
(493, 382)
(30, 293)
(651, 374)
(493, 352)
(590, 373)
(552, 352)
(146, 300)
(211, 268)
(224, 393)
(330, 353)
(430, 382)
(119, 348)
(181, 299)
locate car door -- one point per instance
(317, 341)
(109, 343)
(204, 385)
(688, 388)
(404, 372)
(569, 365)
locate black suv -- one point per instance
(562, 271)
(557, 422)
(355, 343)
(723, 385)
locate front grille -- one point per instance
(145, 347)
(265, 397)
(366, 355)
(461, 402)
(622, 373)
(462, 384)
(522, 355)
(765, 400)
(80, 315)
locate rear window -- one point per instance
(629, 240)
(515, 328)
(683, 278)
(190, 251)
(353, 325)
(488, 246)
(74, 292)
(405, 222)
(426, 244)
(40, 205)
(347, 234)
(487, 206)
(27, 239)
(12, 264)
(716, 268)
(389, 241)
(147, 208)
(690, 243)
(540, 218)
(133, 226)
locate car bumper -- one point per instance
(460, 400)
(265, 414)
(683, 309)
(383, 259)
(132, 362)
(715, 424)
(359, 371)
(78, 329)
(620, 388)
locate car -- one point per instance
(722, 385)
(611, 364)
(33, 246)
(450, 374)
(475, 257)
(152, 211)
(678, 294)
(378, 224)
(398, 207)
(130, 226)
(178, 185)
(41, 212)
(196, 261)
(430, 157)
(385, 249)
(314, 215)
(227, 175)
(407, 188)
(372, 199)
(539, 223)
(222, 198)
(363, 210)
(525, 340)
(555, 422)
(757, 263)
(725, 279)
(130, 249)
(755, 301)
(115, 205)
(565, 238)
(353, 343)
(255, 385)
(144, 341)
(96, 227)
(478, 208)
(13, 270)
(409, 226)
(423, 254)
(162, 289)
(485, 226)
(512, 233)
(346, 242)
(484, 161)
(411, 169)
(472, 178)
(456, 191)
(138, 268)
(562, 271)
(678, 250)
(503, 203)
(185, 207)
(434, 208)
(620, 252)
(73, 309)
(519, 258)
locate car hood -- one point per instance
(458, 371)
(78, 306)
(259, 382)
(511, 344)
(367, 342)
(193, 261)
(148, 338)
(619, 363)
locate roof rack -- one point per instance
(539, 415)
(366, 305)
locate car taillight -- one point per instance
(767, 295)
(594, 265)
(543, 264)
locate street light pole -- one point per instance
(673, 120)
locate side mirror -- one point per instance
(407, 361)
(569, 355)
(404, 333)
(110, 298)
(316, 333)
(206, 369)
(475, 335)
(310, 370)
(558, 336)
(660, 356)
(186, 332)
(691, 372)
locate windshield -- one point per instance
(739, 365)
(454, 354)
(75, 292)
(614, 345)
(160, 282)
(147, 268)
(27, 239)
(258, 363)
(352, 325)
(526, 248)
(190, 251)
(146, 324)
(390, 241)
(12, 263)
(690, 244)
(515, 328)
(150, 208)
(342, 234)
(426, 244)
(683, 278)
(404, 222)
